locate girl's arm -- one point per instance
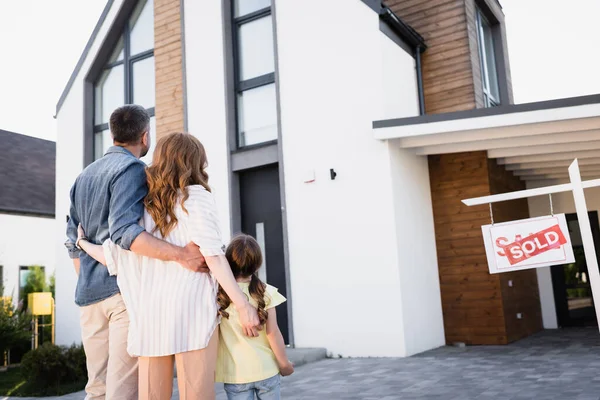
(277, 344)
(220, 268)
(93, 250)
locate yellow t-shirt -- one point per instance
(242, 359)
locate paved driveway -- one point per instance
(561, 365)
(553, 365)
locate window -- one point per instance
(39, 280)
(254, 72)
(489, 74)
(127, 77)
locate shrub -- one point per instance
(14, 327)
(77, 362)
(49, 367)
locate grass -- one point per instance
(13, 384)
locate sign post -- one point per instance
(586, 234)
(576, 187)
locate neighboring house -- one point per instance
(343, 135)
(27, 224)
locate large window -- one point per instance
(254, 72)
(128, 76)
(489, 74)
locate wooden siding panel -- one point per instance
(443, 25)
(478, 308)
(471, 297)
(168, 67)
(449, 29)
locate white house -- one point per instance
(27, 223)
(343, 138)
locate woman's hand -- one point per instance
(248, 315)
(287, 369)
(80, 232)
(93, 250)
(249, 319)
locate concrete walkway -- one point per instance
(552, 365)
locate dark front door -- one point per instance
(261, 217)
(571, 282)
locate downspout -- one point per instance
(418, 51)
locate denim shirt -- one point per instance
(108, 200)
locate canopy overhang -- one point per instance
(536, 141)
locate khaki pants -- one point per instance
(112, 372)
(195, 374)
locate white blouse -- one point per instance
(171, 309)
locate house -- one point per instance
(27, 224)
(342, 135)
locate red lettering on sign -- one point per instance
(532, 245)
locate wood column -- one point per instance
(168, 67)
(479, 308)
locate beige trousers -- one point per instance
(112, 373)
(195, 374)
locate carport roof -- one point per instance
(535, 140)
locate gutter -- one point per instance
(418, 51)
(401, 28)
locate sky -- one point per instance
(554, 50)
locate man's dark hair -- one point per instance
(128, 123)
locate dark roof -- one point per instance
(486, 112)
(86, 50)
(27, 174)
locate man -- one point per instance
(108, 200)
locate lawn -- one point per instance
(13, 384)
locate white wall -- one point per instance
(422, 316)
(69, 163)
(206, 96)
(17, 233)
(343, 235)
(539, 206)
(400, 96)
(417, 254)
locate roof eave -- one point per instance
(404, 30)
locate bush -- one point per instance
(49, 367)
(77, 362)
(14, 327)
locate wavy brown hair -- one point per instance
(245, 258)
(179, 161)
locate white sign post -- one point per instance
(576, 186)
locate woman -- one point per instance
(173, 311)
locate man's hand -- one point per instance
(192, 259)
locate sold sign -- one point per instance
(534, 244)
(511, 246)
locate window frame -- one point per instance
(488, 98)
(26, 268)
(240, 85)
(127, 61)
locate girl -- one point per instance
(250, 366)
